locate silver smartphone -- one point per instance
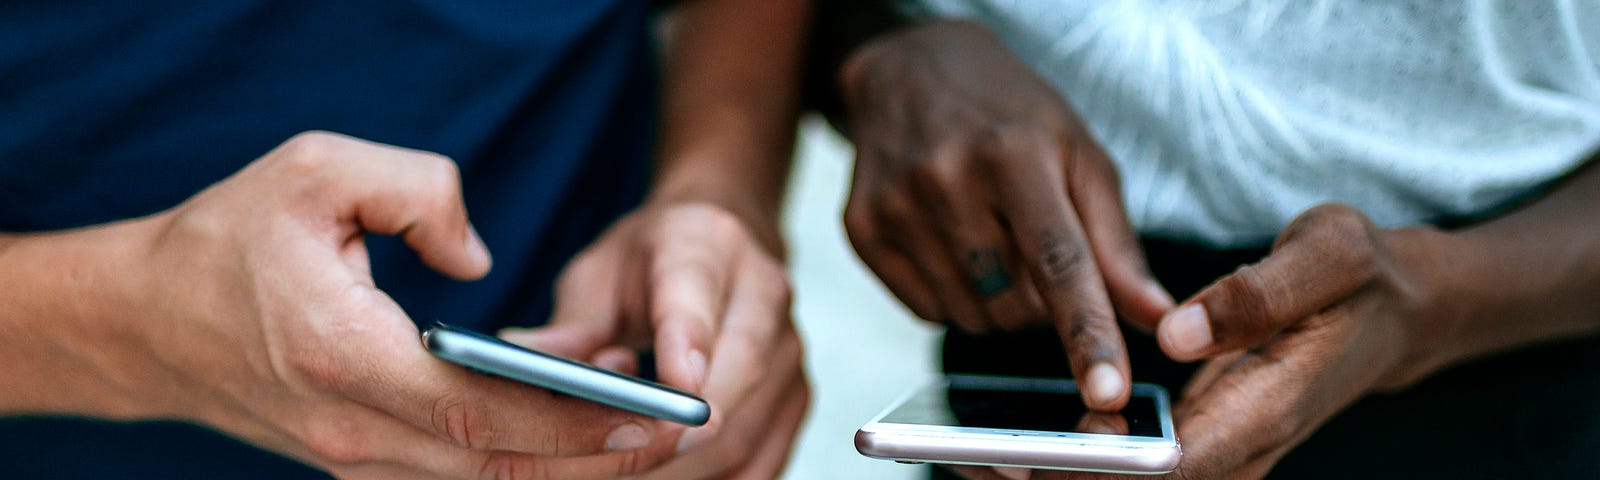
(1024, 422)
(494, 356)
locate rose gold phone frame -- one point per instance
(919, 443)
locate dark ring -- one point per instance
(988, 273)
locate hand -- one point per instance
(981, 200)
(690, 281)
(1339, 309)
(252, 310)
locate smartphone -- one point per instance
(494, 356)
(1024, 422)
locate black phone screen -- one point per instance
(1045, 405)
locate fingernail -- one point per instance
(694, 437)
(697, 367)
(1187, 333)
(480, 250)
(627, 437)
(1013, 473)
(1105, 383)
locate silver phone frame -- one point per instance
(1123, 454)
(491, 355)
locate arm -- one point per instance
(730, 103)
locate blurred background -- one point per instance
(863, 349)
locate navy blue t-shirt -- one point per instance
(112, 110)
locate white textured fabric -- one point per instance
(1229, 118)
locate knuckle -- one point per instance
(773, 284)
(859, 225)
(309, 151)
(896, 203)
(509, 466)
(333, 443)
(1060, 261)
(1330, 219)
(1090, 336)
(1242, 303)
(939, 177)
(442, 175)
(462, 421)
(724, 226)
(1355, 238)
(318, 370)
(1007, 142)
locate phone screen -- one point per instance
(1046, 405)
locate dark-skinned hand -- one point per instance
(981, 200)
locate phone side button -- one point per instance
(908, 462)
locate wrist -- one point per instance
(759, 212)
(69, 308)
(1436, 298)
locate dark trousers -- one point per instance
(1530, 413)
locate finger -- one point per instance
(869, 237)
(576, 344)
(354, 441)
(967, 225)
(894, 269)
(915, 237)
(618, 359)
(689, 285)
(1104, 423)
(1322, 257)
(1051, 240)
(390, 190)
(756, 345)
(573, 341)
(733, 443)
(394, 374)
(585, 313)
(1096, 193)
(975, 472)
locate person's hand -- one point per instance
(691, 282)
(982, 201)
(1339, 309)
(250, 308)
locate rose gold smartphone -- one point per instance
(1024, 422)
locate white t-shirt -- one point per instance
(1229, 118)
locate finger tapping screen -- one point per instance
(1046, 406)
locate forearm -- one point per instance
(57, 328)
(730, 103)
(1533, 274)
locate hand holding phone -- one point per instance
(494, 356)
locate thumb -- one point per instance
(1323, 256)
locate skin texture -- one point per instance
(970, 167)
(250, 308)
(1342, 308)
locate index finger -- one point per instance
(689, 285)
(1046, 229)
